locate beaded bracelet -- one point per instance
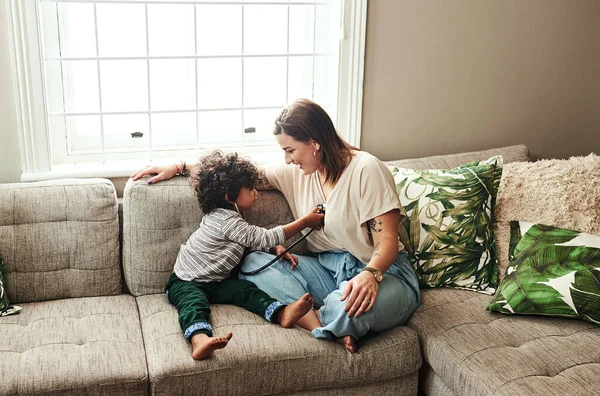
(184, 170)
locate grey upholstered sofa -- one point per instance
(78, 333)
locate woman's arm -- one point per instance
(361, 291)
(163, 172)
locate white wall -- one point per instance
(10, 161)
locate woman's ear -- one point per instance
(316, 146)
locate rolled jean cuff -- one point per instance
(198, 327)
(272, 309)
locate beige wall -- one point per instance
(445, 76)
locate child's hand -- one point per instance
(277, 250)
(314, 219)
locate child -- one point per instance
(224, 185)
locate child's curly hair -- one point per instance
(218, 174)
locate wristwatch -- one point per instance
(376, 273)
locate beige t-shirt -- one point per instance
(365, 190)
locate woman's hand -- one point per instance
(277, 250)
(361, 293)
(162, 172)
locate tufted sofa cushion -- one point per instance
(89, 346)
(475, 352)
(263, 358)
(60, 239)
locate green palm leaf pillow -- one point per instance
(552, 271)
(449, 231)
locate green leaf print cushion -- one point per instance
(552, 271)
(448, 232)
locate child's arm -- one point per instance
(310, 220)
(238, 230)
(277, 250)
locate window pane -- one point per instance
(264, 81)
(265, 29)
(219, 83)
(80, 81)
(302, 25)
(83, 134)
(124, 85)
(171, 29)
(300, 83)
(172, 84)
(263, 122)
(325, 87)
(118, 130)
(121, 29)
(173, 130)
(327, 28)
(78, 38)
(220, 128)
(219, 29)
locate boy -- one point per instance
(224, 185)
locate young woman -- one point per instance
(359, 277)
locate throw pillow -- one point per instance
(449, 232)
(563, 193)
(552, 271)
(5, 307)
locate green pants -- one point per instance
(193, 299)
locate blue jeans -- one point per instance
(325, 276)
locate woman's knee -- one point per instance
(395, 303)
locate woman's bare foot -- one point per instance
(203, 345)
(289, 316)
(349, 342)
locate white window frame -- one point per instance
(32, 118)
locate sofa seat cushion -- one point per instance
(90, 345)
(476, 352)
(263, 358)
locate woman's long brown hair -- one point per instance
(304, 120)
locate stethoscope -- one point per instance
(321, 208)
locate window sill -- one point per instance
(126, 168)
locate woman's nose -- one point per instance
(288, 159)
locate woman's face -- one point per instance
(299, 153)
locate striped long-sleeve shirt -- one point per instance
(217, 246)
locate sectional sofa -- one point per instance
(89, 274)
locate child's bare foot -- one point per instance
(289, 316)
(203, 345)
(349, 342)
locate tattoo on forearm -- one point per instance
(376, 251)
(375, 225)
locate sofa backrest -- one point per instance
(157, 219)
(60, 239)
(517, 153)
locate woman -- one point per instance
(359, 276)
